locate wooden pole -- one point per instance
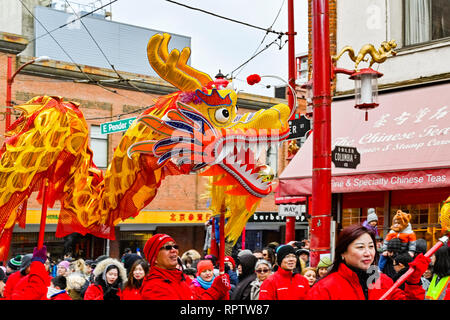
(43, 215)
(222, 240)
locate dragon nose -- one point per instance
(276, 117)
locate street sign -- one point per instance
(298, 128)
(269, 217)
(345, 157)
(116, 126)
(292, 210)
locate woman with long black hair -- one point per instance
(132, 288)
(439, 288)
(354, 274)
(110, 276)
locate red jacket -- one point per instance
(95, 292)
(200, 293)
(34, 285)
(284, 285)
(162, 284)
(12, 281)
(131, 294)
(61, 296)
(344, 285)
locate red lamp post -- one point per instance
(290, 221)
(321, 175)
(366, 94)
(9, 81)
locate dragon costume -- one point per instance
(196, 129)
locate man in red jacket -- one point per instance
(285, 284)
(34, 285)
(15, 278)
(57, 289)
(166, 281)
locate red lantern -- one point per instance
(366, 89)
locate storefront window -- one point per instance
(134, 240)
(25, 242)
(425, 20)
(99, 143)
(359, 215)
(424, 220)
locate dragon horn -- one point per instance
(172, 66)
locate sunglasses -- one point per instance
(262, 270)
(169, 247)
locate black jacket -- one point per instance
(243, 288)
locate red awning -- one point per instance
(289, 200)
(404, 145)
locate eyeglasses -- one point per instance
(262, 270)
(169, 247)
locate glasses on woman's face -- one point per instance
(169, 247)
(262, 270)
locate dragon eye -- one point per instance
(222, 115)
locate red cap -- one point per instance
(230, 259)
(153, 245)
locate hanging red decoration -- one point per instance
(253, 78)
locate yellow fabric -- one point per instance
(444, 216)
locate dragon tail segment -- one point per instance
(48, 141)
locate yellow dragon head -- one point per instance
(196, 129)
(200, 129)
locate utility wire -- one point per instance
(122, 114)
(222, 17)
(262, 41)
(68, 55)
(72, 21)
(280, 46)
(98, 83)
(121, 79)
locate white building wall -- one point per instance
(373, 21)
(11, 17)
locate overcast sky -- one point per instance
(221, 44)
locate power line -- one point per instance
(280, 46)
(68, 55)
(72, 21)
(122, 114)
(98, 83)
(90, 34)
(226, 18)
(103, 53)
(264, 38)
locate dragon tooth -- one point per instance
(260, 148)
(240, 145)
(221, 156)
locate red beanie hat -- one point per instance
(230, 259)
(203, 265)
(153, 245)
